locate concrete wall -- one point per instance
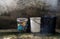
(15, 7)
(9, 5)
(53, 3)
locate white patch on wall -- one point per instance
(7, 5)
(10, 5)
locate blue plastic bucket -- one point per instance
(20, 27)
(48, 24)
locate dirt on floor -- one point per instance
(14, 35)
(30, 36)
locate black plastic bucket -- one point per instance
(48, 24)
(28, 26)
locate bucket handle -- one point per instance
(36, 22)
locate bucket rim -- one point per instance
(38, 18)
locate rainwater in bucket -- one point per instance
(48, 24)
(35, 24)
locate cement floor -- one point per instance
(15, 35)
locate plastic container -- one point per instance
(22, 24)
(48, 24)
(35, 24)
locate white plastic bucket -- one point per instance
(35, 24)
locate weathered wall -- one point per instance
(9, 5)
(18, 8)
(53, 3)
